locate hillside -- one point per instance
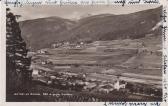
(110, 27)
(41, 33)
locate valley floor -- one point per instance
(128, 69)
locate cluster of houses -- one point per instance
(80, 82)
(76, 81)
(149, 52)
(68, 45)
(139, 46)
(62, 80)
(103, 86)
(42, 51)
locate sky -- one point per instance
(75, 12)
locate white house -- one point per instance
(35, 72)
(41, 51)
(118, 86)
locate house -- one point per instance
(78, 46)
(81, 43)
(79, 82)
(35, 72)
(49, 82)
(52, 77)
(43, 62)
(118, 85)
(54, 45)
(104, 90)
(42, 51)
(90, 86)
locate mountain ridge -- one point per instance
(97, 27)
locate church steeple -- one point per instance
(117, 84)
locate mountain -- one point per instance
(41, 33)
(109, 27)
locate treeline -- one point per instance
(18, 72)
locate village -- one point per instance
(64, 66)
(80, 83)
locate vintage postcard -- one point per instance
(110, 52)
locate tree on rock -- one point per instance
(18, 72)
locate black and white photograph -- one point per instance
(84, 53)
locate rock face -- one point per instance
(18, 72)
(41, 33)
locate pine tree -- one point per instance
(18, 72)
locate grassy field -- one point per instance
(121, 56)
